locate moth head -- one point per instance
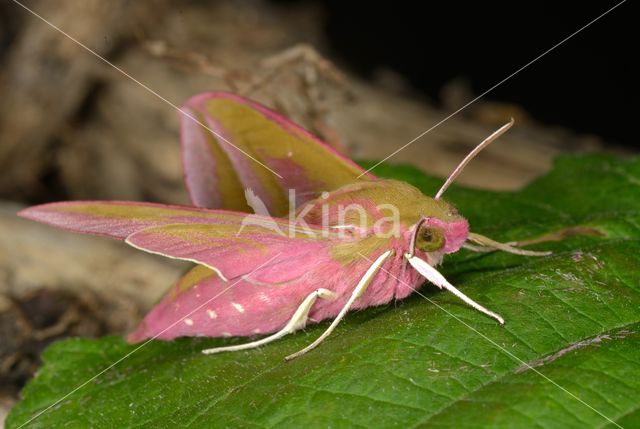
(432, 234)
(441, 229)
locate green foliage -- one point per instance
(573, 316)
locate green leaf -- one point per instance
(573, 316)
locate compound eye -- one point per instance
(430, 239)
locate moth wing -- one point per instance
(268, 277)
(119, 219)
(272, 268)
(218, 161)
(233, 250)
(262, 301)
(202, 304)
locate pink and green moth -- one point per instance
(277, 251)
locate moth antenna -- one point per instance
(497, 133)
(414, 235)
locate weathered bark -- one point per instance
(45, 79)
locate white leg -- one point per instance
(438, 279)
(357, 293)
(297, 321)
(489, 245)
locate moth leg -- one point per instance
(438, 279)
(297, 321)
(488, 245)
(359, 290)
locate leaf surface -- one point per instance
(427, 361)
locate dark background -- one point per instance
(588, 84)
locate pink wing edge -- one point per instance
(199, 99)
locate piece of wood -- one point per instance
(45, 79)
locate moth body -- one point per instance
(284, 230)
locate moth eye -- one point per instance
(430, 239)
